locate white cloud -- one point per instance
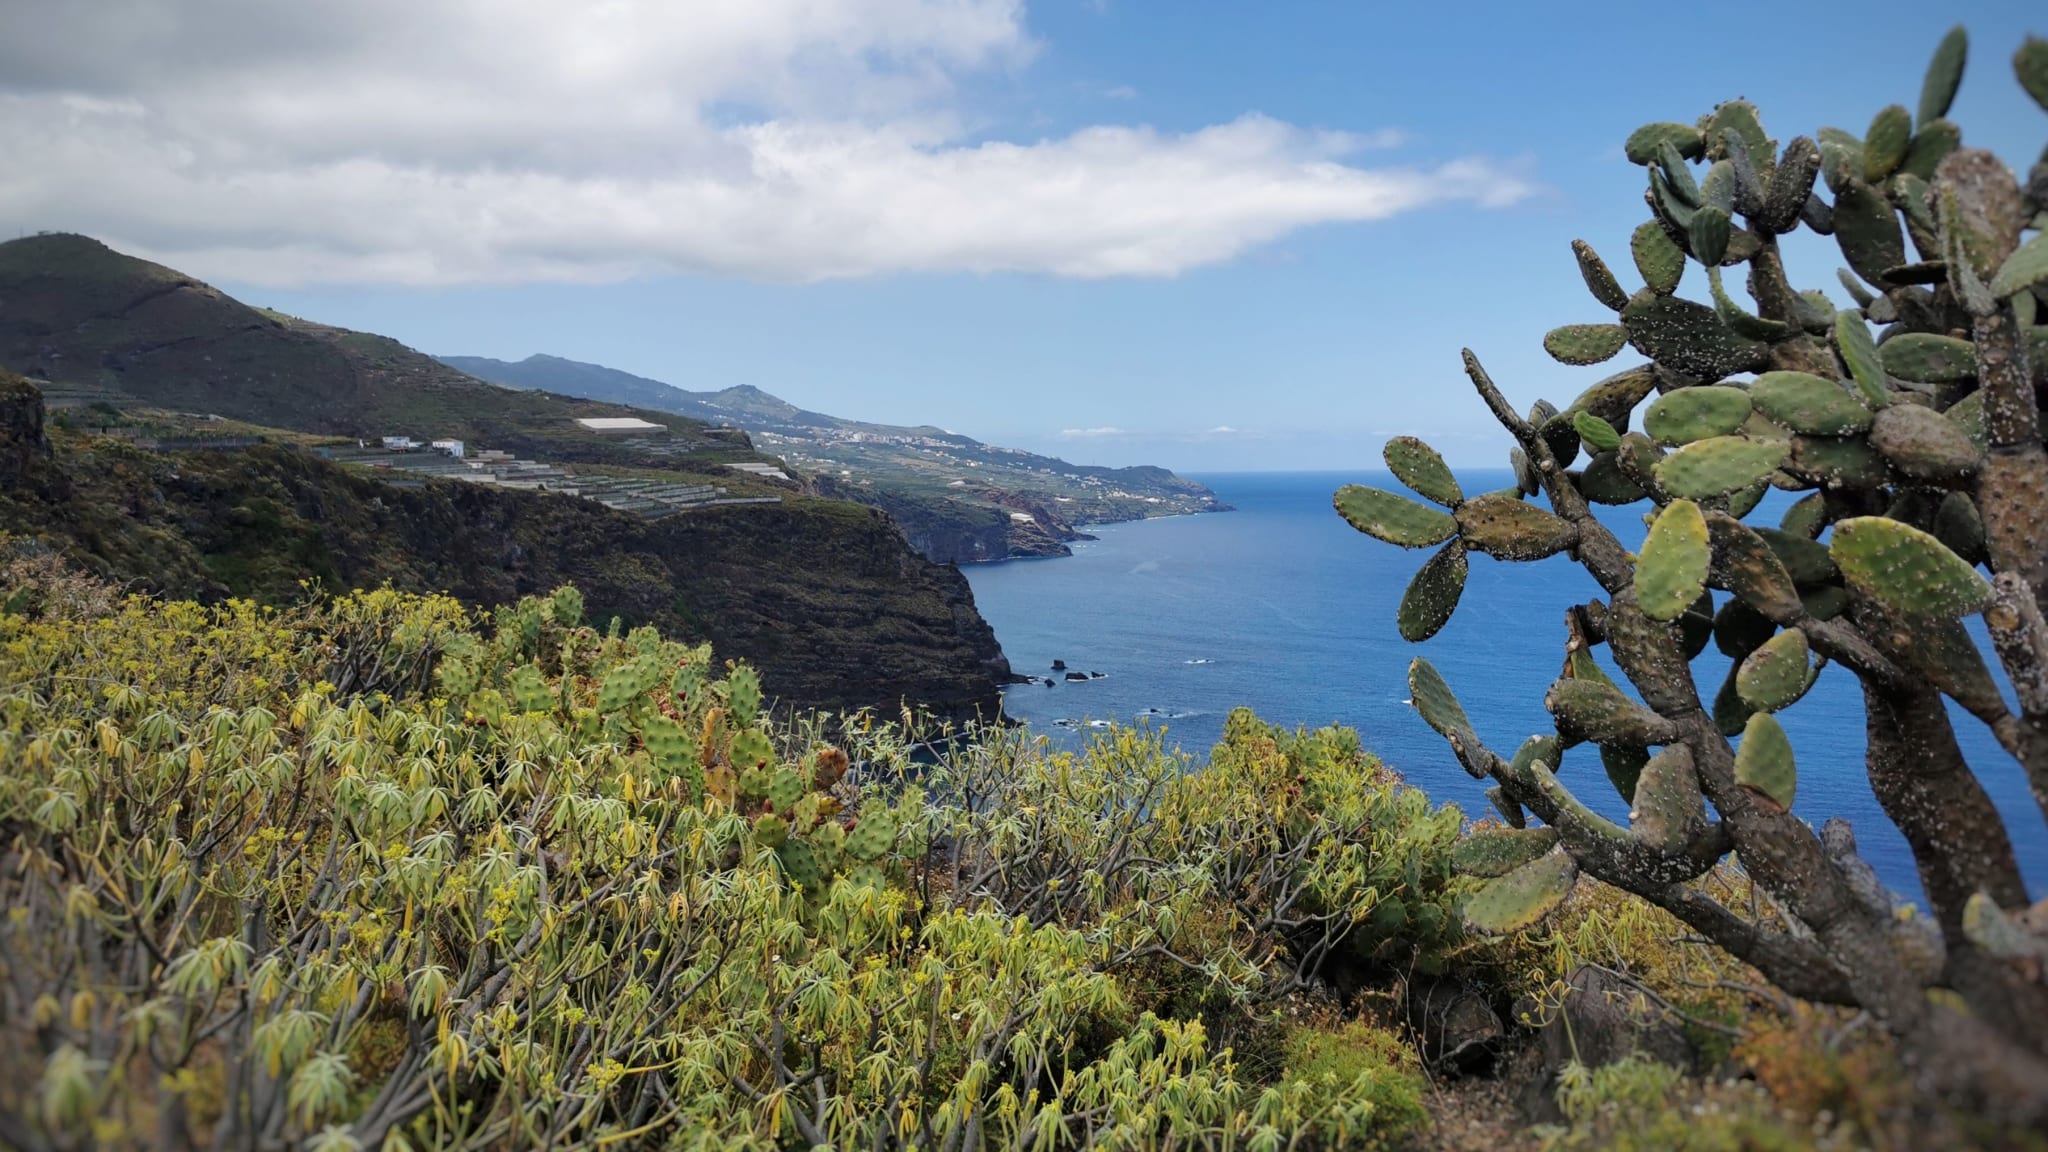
(1221, 430)
(447, 141)
(1121, 92)
(1089, 433)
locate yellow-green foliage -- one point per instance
(1639, 1105)
(378, 873)
(1374, 1070)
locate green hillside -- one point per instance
(957, 499)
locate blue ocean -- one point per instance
(1282, 607)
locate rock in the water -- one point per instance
(1077, 676)
(1059, 665)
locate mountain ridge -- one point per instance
(958, 499)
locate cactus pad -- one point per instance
(1600, 279)
(626, 683)
(1708, 232)
(828, 845)
(1906, 570)
(1592, 710)
(1422, 469)
(1835, 462)
(1987, 926)
(1967, 415)
(1645, 144)
(1598, 434)
(1603, 481)
(669, 743)
(1433, 595)
(743, 695)
(1746, 565)
(1944, 76)
(1806, 561)
(1667, 805)
(1522, 897)
(1808, 404)
(1777, 674)
(1928, 358)
(1672, 570)
(752, 787)
(1884, 145)
(770, 830)
(1434, 699)
(530, 689)
(1690, 338)
(1684, 415)
(1613, 398)
(1718, 465)
(752, 748)
(1491, 852)
(1958, 525)
(1789, 187)
(799, 866)
(2030, 64)
(1583, 344)
(1509, 529)
(867, 876)
(872, 836)
(1764, 764)
(1867, 229)
(1658, 258)
(1394, 519)
(1922, 445)
(2025, 268)
(785, 788)
(1859, 354)
(566, 606)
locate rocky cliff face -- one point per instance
(22, 440)
(958, 532)
(820, 595)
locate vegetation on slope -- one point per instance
(380, 872)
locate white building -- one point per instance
(400, 443)
(451, 447)
(619, 424)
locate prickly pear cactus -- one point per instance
(1903, 429)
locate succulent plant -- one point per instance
(1910, 422)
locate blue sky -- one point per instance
(1149, 276)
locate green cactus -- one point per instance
(1582, 344)
(1921, 444)
(1508, 529)
(1667, 806)
(827, 843)
(1522, 897)
(1689, 414)
(627, 684)
(1591, 710)
(785, 788)
(1835, 462)
(530, 689)
(872, 836)
(1491, 852)
(1944, 76)
(1660, 261)
(1909, 425)
(1718, 466)
(1928, 358)
(1646, 144)
(1859, 354)
(770, 830)
(1673, 569)
(566, 606)
(1777, 674)
(1691, 338)
(867, 875)
(1905, 569)
(1763, 762)
(1434, 700)
(743, 695)
(751, 747)
(752, 786)
(1807, 404)
(1394, 519)
(799, 866)
(1433, 594)
(1423, 470)
(1884, 145)
(1599, 278)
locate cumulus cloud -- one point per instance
(1089, 433)
(447, 141)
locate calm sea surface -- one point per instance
(1282, 607)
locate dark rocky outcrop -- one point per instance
(821, 596)
(23, 442)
